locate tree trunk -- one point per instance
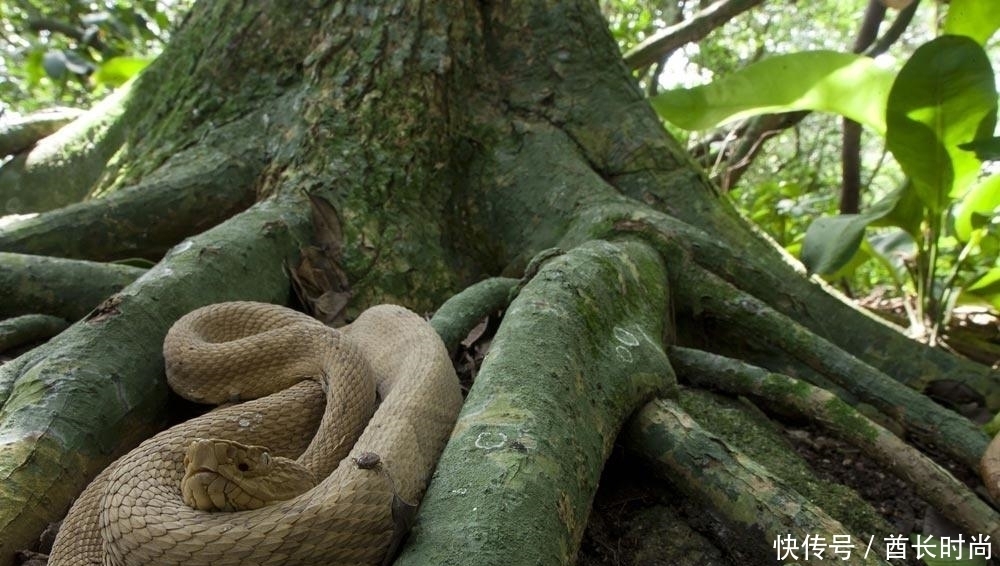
(398, 153)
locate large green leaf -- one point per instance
(943, 97)
(831, 241)
(978, 19)
(977, 207)
(842, 83)
(905, 210)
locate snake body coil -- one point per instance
(386, 381)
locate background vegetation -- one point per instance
(920, 256)
(72, 53)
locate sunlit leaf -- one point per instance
(34, 69)
(985, 289)
(977, 207)
(978, 19)
(905, 210)
(943, 97)
(829, 81)
(115, 72)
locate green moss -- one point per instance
(749, 431)
(779, 387)
(577, 352)
(848, 419)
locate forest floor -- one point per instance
(621, 533)
(634, 512)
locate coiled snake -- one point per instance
(385, 380)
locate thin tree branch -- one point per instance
(69, 30)
(850, 149)
(850, 167)
(660, 44)
(894, 32)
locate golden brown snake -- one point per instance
(989, 468)
(134, 512)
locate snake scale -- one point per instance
(385, 380)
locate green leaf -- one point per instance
(54, 63)
(906, 212)
(118, 70)
(896, 248)
(943, 97)
(978, 19)
(987, 149)
(849, 269)
(977, 207)
(831, 241)
(34, 68)
(850, 85)
(986, 288)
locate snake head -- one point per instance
(223, 475)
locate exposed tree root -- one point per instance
(753, 266)
(28, 328)
(192, 195)
(930, 481)
(459, 314)
(989, 469)
(73, 404)
(753, 503)
(19, 135)
(578, 349)
(65, 288)
(62, 168)
(711, 299)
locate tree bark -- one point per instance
(20, 134)
(398, 153)
(700, 463)
(578, 349)
(66, 288)
(61, 168)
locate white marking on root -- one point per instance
(624, 354)
(489, 440)
(625, 337)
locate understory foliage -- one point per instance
(73, 52)
(922, 172)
